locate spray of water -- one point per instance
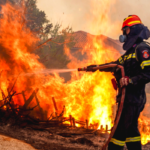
(48, 71)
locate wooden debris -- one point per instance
(73, 122)
(55, 106)
(70, 118)
(22, 114)
(28, 101)
(87, 124)
(102, 127)
(43, 115)
(106, 128)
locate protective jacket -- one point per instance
(136, 62)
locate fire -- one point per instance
(92, 93)
(144, 127)
(87, 96)
(100, 11)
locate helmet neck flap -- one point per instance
(137, 34)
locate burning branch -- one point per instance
(27, 102)
(55, 106)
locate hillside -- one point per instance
(84, 40)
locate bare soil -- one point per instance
(58, 138)
(8, 143)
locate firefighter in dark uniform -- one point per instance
(136, 63)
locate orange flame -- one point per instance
(144, 127)
(87, 96)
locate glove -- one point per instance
(124, 81)
(90, 68)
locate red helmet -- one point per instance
(131, 20)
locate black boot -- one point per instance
(112, 146)
(134, 145)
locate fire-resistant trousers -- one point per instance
(127, 129)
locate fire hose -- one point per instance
(120, 108)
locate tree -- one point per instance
(52, 54)
(36, 19)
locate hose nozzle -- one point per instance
(82, 69)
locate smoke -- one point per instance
(95, 16)
(141, 8)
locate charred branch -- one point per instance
(28, 101)
(22, 115)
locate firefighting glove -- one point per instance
(124, 81)
(90, 68)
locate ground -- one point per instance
(8, 143)
(58, 138)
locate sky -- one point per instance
(95, 16)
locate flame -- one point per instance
(144, 127)
(87, 96)
(100, 11)
(144, 123)
(92, 93)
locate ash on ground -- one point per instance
(58, 138)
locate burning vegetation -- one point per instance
(87, 100)
(81, 96)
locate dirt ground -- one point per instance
(7, 143)
(56, 138)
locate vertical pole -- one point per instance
(101, 127)
(70, 118)
(55, 106)
(73, 122)
(106, 128)
(87, 124)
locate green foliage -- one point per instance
(51, 54)
(37, 20)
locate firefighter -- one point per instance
(136, 63)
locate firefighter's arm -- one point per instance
(143, 57)
(109, 69)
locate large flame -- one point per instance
(87, 96)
